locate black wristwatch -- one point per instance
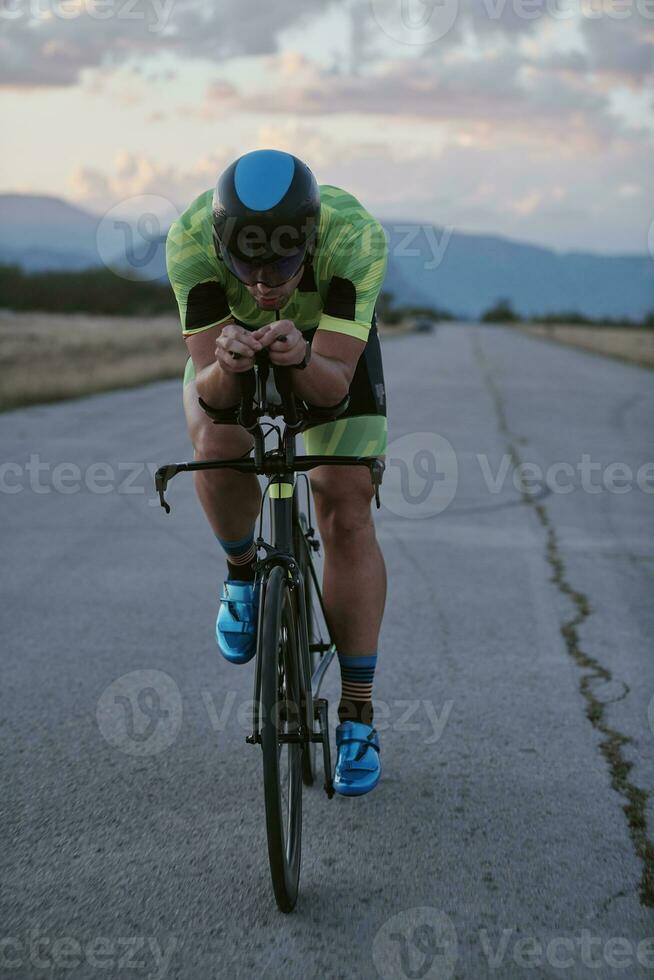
(306, 359)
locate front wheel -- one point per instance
(281, 716)
(303, 558)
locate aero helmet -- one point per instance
(266, 212)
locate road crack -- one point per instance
(613, 742)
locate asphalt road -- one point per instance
(512, 833)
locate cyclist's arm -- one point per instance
(204, 312)
(358, 270)
(327, 378)
(216, 387)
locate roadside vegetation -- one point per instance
(84, 291)
(503, 312)
(625, 339)
(67, 334)
(628, 340)
(51, 356)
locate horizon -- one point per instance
(395, 223)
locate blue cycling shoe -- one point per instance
(236, 625)
(357, 766)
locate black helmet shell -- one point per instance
(266, 206)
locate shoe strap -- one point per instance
(237, 626)
(353, 764)
(369, 741)
(358, 763)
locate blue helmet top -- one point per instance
(262, 178)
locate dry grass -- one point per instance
(48, 357)
(627, 343)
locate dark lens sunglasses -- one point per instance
(271, 274)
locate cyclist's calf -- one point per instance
(230, 500)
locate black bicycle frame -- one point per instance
(281, 465)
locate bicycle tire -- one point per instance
(280, 711)
(301, 550)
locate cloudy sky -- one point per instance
(529, 118)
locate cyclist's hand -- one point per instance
(236, 347)
(283, 352)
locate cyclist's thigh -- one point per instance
(209, 439)
(360, 435)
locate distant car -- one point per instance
(423, 325)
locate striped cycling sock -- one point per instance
(240, 556)
(357, 675)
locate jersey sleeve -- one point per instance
(359, 261)
(200, 294)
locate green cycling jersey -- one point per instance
(337, 291)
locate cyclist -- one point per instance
(269, 242)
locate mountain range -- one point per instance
(428, 266)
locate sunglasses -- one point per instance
(272, 274)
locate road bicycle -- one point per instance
(294, 645)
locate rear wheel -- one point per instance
(280, 715)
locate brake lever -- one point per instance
(161, 477)
(377, 467)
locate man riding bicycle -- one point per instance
(268, 243)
